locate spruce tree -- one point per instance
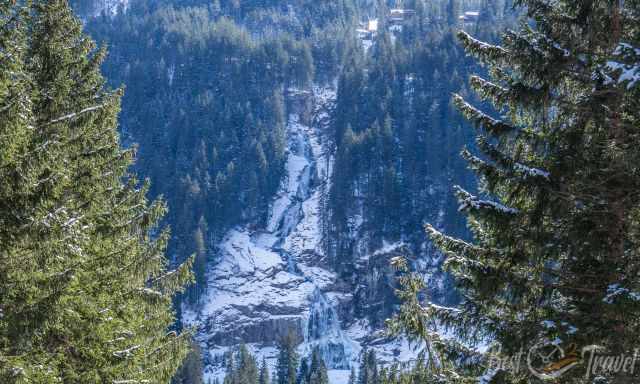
(247, 367)
(363, 372)
(191, 370)
(368, 372)
(287, 364)
(86, 290)
(453, 12)
(303, 372)
(318, 370)
(231, 372)
(554, 256)
(22, 304)
(352, 376)
(264, 373)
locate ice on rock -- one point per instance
(266, 282)
(243, 255)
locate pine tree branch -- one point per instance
(75, 114)
(483, 51)
(494, 126)
(469, 202)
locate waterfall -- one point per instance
(270, 279)
(323, 331)
(322, 327)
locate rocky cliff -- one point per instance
(267, 282)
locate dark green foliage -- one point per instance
(242, 368)
(316, 373)
(264, 373)
(205, 103)
(397, 138)
(368, 371)
(555, 250)
(418, 373)
(221, 157)
(318, 370)
(303, 372)
(86, 290)
(191, 370)
(287, 364)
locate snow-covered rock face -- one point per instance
(108, 7)
(270, 281)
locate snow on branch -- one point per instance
(469, 202)
(615, 291)
(439, 308)
(480, 118)
(488, 376)
(623, 68)
(150, 292)
(504, 162)
(481, 48)
(126, 353)
(527, 171)
(458, 251)
(76, 114)
(488, 89)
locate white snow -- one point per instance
(110, 7)
(76, 114)
(624, 66)
(629, 74)
(531, 172)
(244, 255)
(548, 324)
(617, 290)
(367, 44)
(338, 376)
(481, 44)
(471, 202)
(487, 377)
(277, 273)
(389, 247)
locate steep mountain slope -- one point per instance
(270, 281)
(297, 159)
(275, 279)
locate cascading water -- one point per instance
(322, 327)
(300, 165)
(323, 331)
(271, 281)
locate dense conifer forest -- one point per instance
(319, 192)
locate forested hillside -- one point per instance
(225, 100)
(85, 289)
(205, 103)
(319, 191)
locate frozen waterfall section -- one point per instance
(272, 281)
